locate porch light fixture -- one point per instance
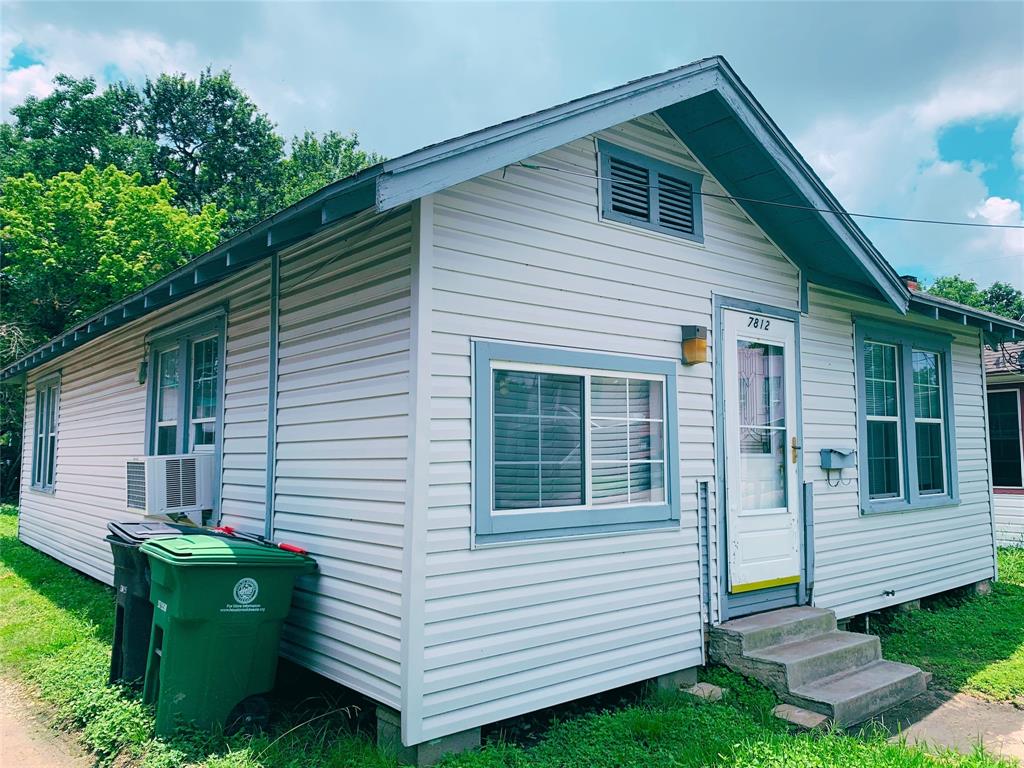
(695, 344)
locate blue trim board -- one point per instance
(734, 606)
(270, 480)
(905, 338)
(607, 151)
(512, 527)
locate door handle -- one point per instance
(794, 448)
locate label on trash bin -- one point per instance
(245, 593)
(161, 605)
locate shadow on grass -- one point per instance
(972, 643)
(68, 590)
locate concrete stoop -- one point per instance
(801, 655)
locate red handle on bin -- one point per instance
(230, 531)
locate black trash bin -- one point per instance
(133, 618)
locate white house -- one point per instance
(1004, 368)
(458, 379)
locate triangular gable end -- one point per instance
(713, 113)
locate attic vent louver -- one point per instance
(649, 193)
(675, 204)
(630, 191)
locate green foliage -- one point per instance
(54, 630)
(205, 136)
(73, 127)
(317, 161)
(80, 241)
(972, 643)
(214, 145)
(999, 298)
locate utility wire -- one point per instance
(534, 167)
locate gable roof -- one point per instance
(704, 103)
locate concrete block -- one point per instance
(909, 607)
(706, 692)
(389, 739)
(674, 681)
(800, 717)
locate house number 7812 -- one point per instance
(760, 323)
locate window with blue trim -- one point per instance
(907, 454)
(185, 396)
(44, 451)
(571, 442)
(639, 190)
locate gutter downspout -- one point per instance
(272, 361)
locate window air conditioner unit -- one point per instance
(170, 485)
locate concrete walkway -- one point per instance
(25, 739)
(938, 719)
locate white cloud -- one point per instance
(132, 53)
(888, 163)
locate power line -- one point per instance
(735, 199)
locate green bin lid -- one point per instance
(216, 550)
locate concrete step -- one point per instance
(799, 662)
(752, 633)
(852, 696)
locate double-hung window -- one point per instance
(907, 456)
(1005, 438)
(639, 190)
(185, 395)
(569, 442)
(44, 449)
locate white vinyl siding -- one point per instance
(102, 423)
(342, 438)
(1009, 512)
(915, 553)
(523, 256)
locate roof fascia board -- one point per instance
(402, 181)
(757, 121)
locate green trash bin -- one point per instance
(219, 605)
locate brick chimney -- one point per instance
(911, 282)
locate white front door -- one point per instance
(761, 450)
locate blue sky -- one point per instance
(903, 108)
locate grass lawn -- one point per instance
(55, 627)
(971, 644)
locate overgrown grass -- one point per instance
(54, 630)
(971, 643)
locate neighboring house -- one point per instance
(457, 378)
(1004, 370)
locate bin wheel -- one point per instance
(249, 715)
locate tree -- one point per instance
(999, 298)
(214, 145)
(75, 126)
(205, 136)
(1003, 299)
(77, 242)
(315, 162)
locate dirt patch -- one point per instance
(25, 739)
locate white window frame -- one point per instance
(941, 421)
(897, 418)
(46, 420)
(587, 443)
(192, 421)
